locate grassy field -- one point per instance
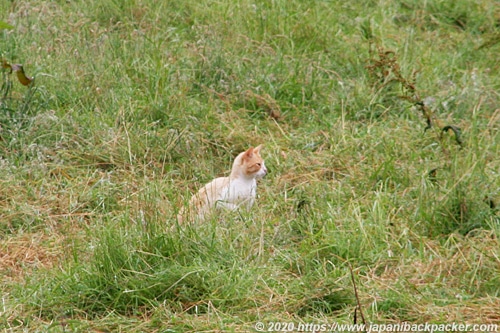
(381, 129)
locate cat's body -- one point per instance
(231, 193)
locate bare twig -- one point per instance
(358, 303)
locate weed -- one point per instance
(365, 216)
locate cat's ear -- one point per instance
(249, 152)
(257, 149)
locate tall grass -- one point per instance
(137, 103)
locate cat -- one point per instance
(230, 193)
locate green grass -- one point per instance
(138, 103)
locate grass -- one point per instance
(137, 103)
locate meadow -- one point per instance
(380, 122)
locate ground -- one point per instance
(380, 126)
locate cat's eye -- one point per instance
(258, 164)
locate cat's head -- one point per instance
(250, 164)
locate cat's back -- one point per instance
(211, 192)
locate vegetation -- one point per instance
(380, 121)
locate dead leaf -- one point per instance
(455, 130)
(21, 75)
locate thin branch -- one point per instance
(356, 295)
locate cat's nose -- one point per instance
(265, 170)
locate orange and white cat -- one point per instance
(231, 193)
